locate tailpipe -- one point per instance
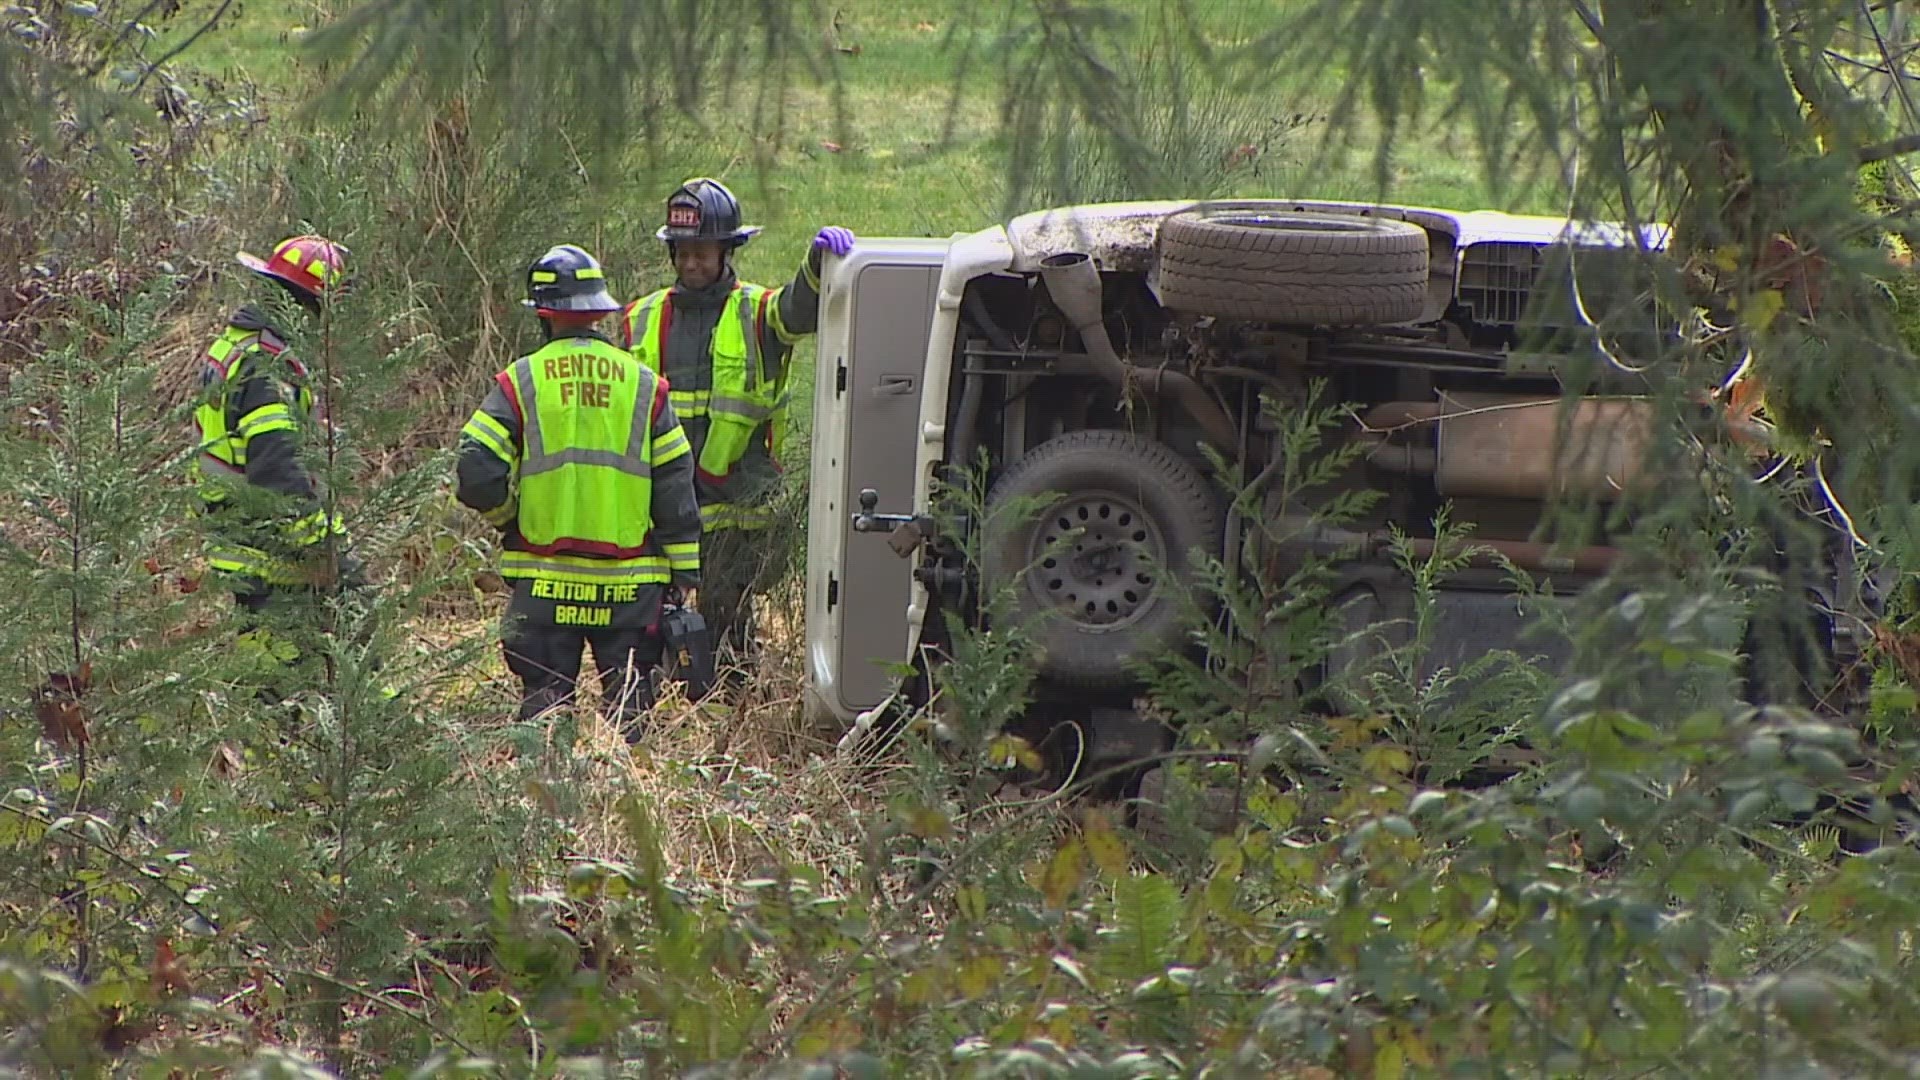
(1378, 426)
(1074, 284)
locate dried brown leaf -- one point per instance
(226, 763)
(56, 704)
(169, 975)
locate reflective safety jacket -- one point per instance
(726, 350)
(576, 455)
(253, 407)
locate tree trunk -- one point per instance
(1728, 112)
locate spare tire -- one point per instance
(1277, 265)
(1108, 596)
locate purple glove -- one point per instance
(834, 238)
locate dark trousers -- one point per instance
(284, 623)
(278, 618)
(252, 607)
(734, 566)
(295, 610)
(545, 655)
(251, 604)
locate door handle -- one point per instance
(894, 384)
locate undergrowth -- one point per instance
(234, 854)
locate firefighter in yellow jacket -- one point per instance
(577, 456)
(725, 345)
(254, 415)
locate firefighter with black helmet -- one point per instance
(578, 458)
(255, 410)
(725, 344)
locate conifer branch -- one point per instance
(1892, 148)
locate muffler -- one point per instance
(1507, 446)
(1074, 284)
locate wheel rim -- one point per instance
(1096, 558)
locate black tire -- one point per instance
(1248, 261)
(1134, 495)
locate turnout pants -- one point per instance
(284, 623)
(547, 627)
(735, 565)
(260, 606)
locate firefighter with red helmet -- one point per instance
(254, 413)
(725, 346)
(577, 457)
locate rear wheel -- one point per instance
(1096, 574)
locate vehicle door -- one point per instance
(876, 309)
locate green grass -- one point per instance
(251, 42)
(891, 172)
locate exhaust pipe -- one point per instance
(1074, 284)
(1377, 427)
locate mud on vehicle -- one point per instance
(1091, 352)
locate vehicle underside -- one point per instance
(1091, 390)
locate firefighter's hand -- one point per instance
(835, 238)
(687, 598)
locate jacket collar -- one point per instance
(253, 320)
(711, 296)
(581, 332)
